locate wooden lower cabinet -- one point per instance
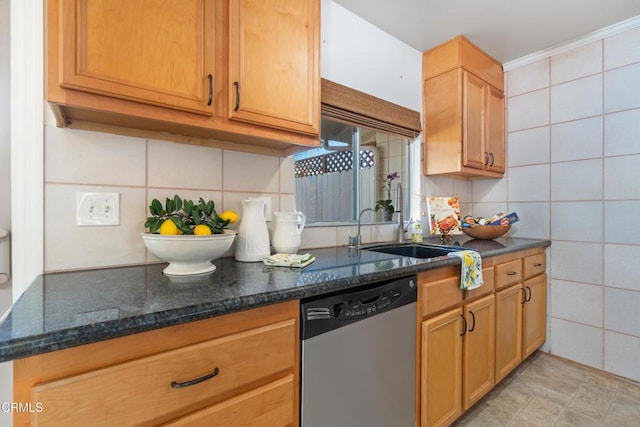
(478, 350)
(441, 381)
(237, 369)
(457, 360)
(471, 340)
(508, 330)
(534, 315)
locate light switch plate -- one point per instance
(97, 208)
(267, 206)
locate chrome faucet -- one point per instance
(354, 241)
(401, 227)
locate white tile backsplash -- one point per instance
(528, 111)
(489, 190)
(621, 355)
(251, 172)
(621, 311)
(576, 140)
(529, 78)
(576, 99)
(534, 220)
(622, 49)
(78, 156)
(622, 133)
(620, 225)
(621, 266)
(578, 342)
(184, 166)
(529, 147)
(577, 221)
(577, 262)
(529, 184)
(579, 180)
(622, 178)
(577, 302)
(579, 62)
(67, 246)
(622, 88)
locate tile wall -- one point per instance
(141, 170)
(573, 130)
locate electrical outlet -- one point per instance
(97, 208)
(267, 206)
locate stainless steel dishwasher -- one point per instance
(358, 357)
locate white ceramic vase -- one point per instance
(252, 243)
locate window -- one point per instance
(331, 186)
(356, 125)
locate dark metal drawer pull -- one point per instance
(473, 319)
(464, 325)
(537, 264)
(524, 295)
(512, 273)
(210, 77)
(176, 384)
(529, 297)
(237, 85)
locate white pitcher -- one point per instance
(252, 243)
(286, 235)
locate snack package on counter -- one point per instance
(503, 219)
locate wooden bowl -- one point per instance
(486, 232)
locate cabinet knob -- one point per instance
(512, 273)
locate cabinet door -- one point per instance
(159, 52)
(494, 143)
(534, 315)
(474, 103)
(508, 330)
(441, 382)
(274, 70)
(479, 350)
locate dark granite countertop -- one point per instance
(61, 310)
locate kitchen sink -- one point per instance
(413, 250)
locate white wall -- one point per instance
(6, 373)
(573, 123)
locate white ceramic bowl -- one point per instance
(188, 254)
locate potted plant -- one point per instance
(384, 207)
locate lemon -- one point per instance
(201, 230)
(169, 227)
(229, 215)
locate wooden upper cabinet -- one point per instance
(463, 111)
(165, 69)
(159, 52)
(274, 63)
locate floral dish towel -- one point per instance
(471, 274)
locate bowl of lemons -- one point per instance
(188, 235)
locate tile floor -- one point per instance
(548, 391)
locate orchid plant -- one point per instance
(386, 204)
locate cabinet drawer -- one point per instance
(441, 294)
(534, 265)
(144, 390)
(487, 287)
(269, 405)
(508, 273)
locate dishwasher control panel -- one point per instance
(321, 314)
(359, 308)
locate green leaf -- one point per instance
(178, 202)
(209, 209)
(188, 207)
(156, 207)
